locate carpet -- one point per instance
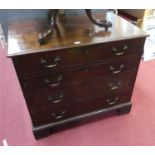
(136, 128)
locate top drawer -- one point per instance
(59, 59)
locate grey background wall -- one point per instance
(7, 15)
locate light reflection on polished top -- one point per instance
(72, 31)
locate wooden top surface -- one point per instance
(73, 31)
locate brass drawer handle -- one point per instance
(114, 86)
(47, 65)
(112, 102)
(57, 116)
(114, 70)
(57, 83)
(121, 52)
(56, 100)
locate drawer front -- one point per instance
(80, 91)
(70, 76)
(57, 113)
(54, 60)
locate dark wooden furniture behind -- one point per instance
(82, 71)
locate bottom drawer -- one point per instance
(56, 113)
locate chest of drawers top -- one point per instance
(72, 32)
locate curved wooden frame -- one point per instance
(52, 16)
(102, 23)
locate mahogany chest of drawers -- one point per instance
(82, 71)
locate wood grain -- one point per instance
(79, 72)
(71, 30)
